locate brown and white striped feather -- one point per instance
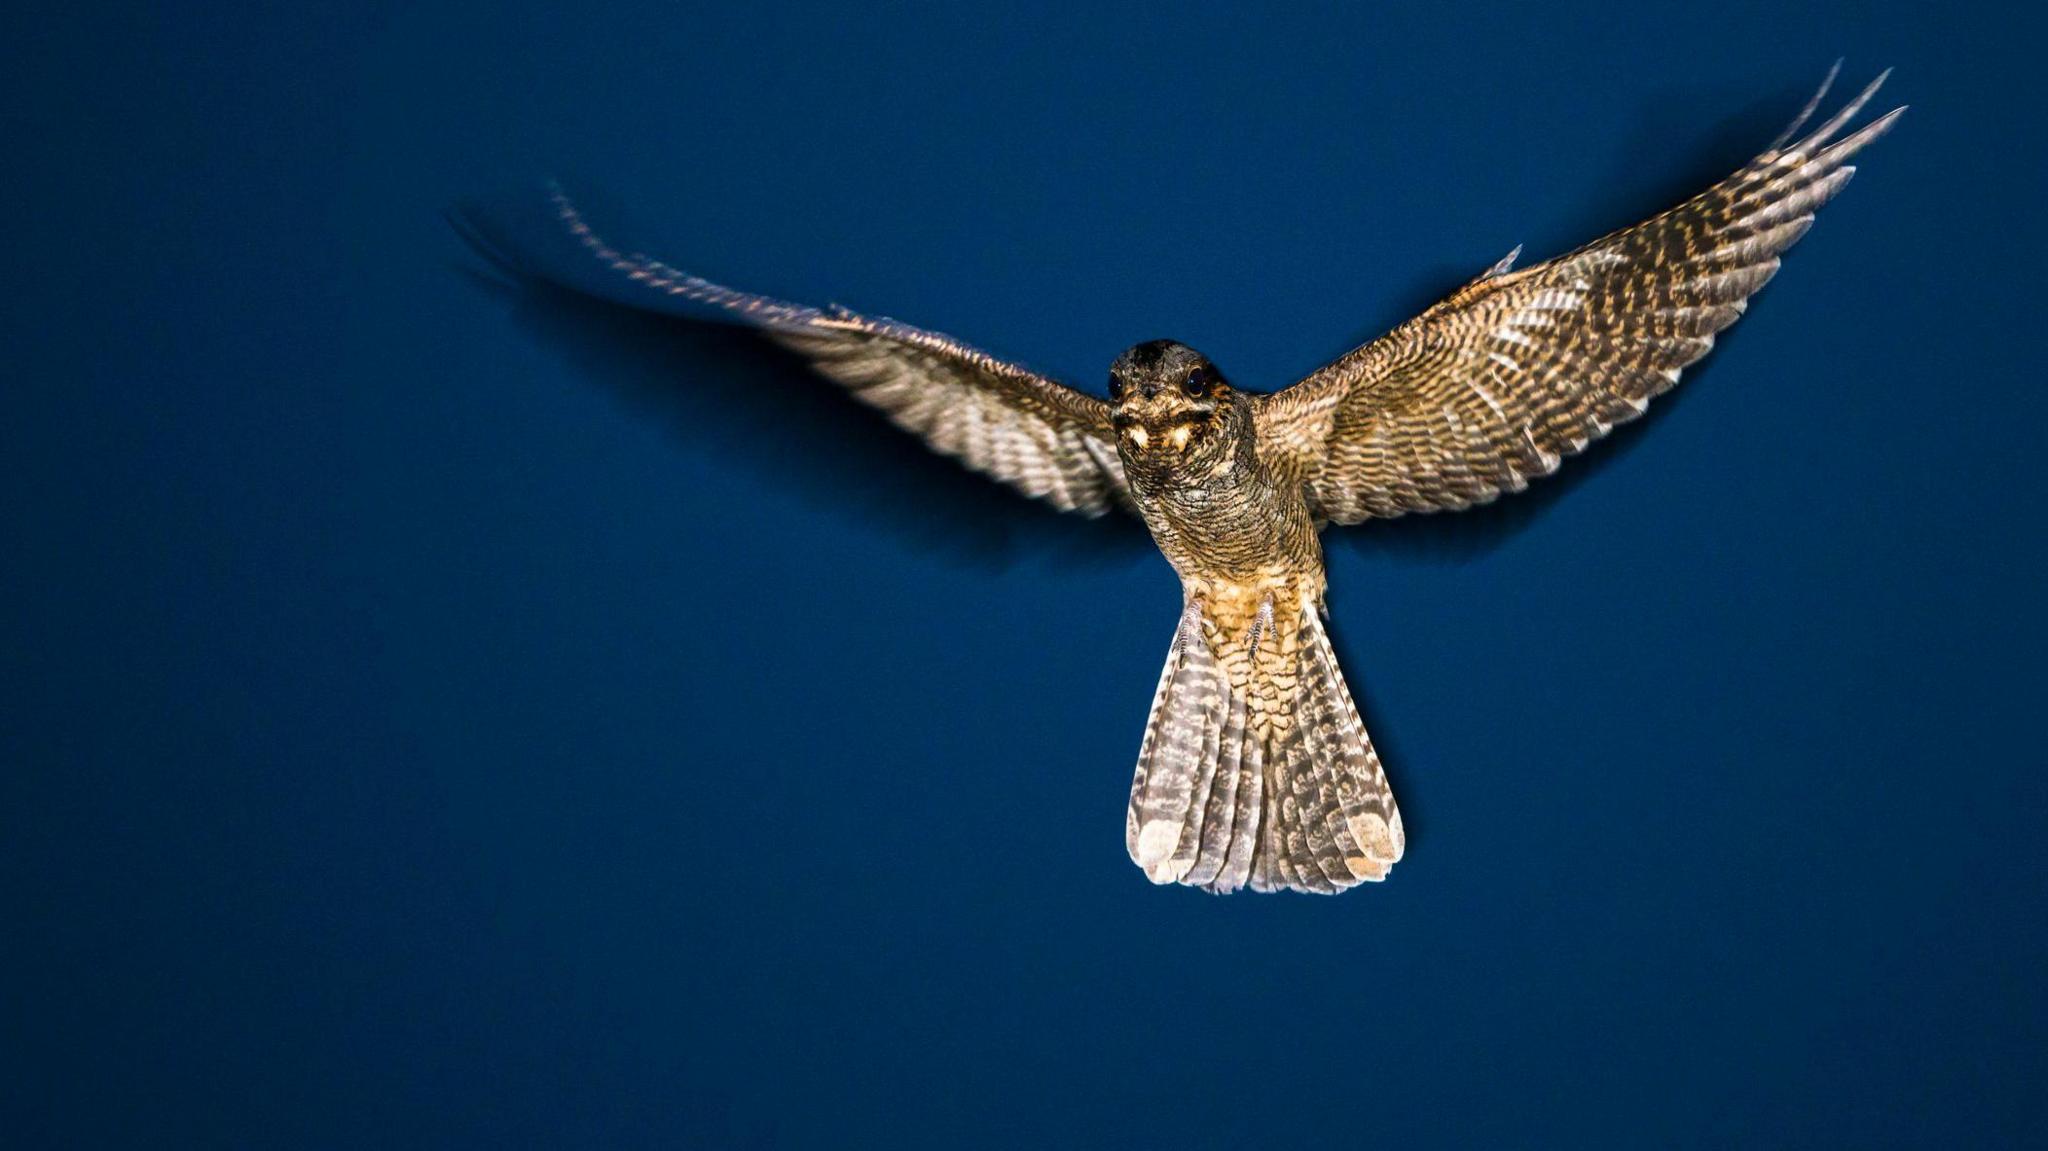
(1512, 373)
(1255, 769)
(1178, 758)
(1039, 436)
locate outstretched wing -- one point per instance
(1517, 370)
(1041, 437)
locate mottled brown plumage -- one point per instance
(1517, 370)
(1255, 769)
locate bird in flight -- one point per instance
(1255, 769)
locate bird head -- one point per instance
(1171, 407)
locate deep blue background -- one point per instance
(438, 714)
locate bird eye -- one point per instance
(1196, 383)
(1116, 388)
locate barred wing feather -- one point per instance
(1517, 370)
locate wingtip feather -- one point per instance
(1812, 105)
(1826, 132)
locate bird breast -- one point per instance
(1231, 525)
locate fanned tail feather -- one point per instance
(1257, 771)
(1177, 761)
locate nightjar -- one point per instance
(1254, 769)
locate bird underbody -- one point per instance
(1255, 769)
(1252, 727)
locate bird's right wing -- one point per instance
(1032, 433)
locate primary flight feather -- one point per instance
(1255, 770)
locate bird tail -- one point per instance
(1255, 768)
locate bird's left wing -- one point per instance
(1519, 369)
(1039, 436)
